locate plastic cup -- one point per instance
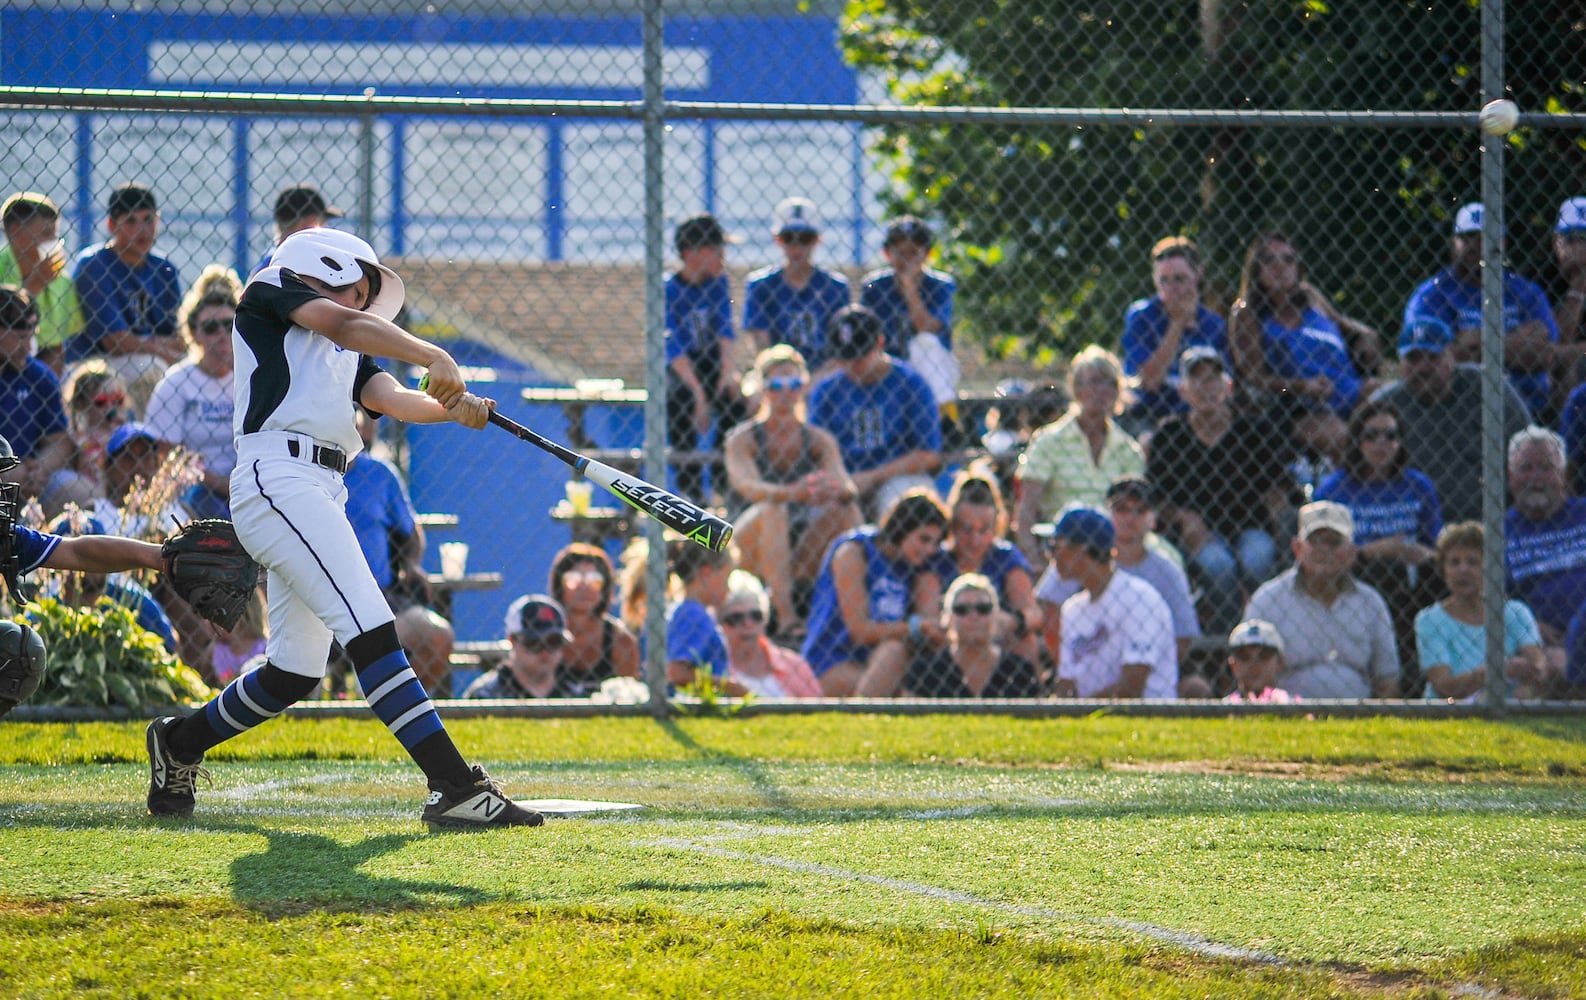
(454, 560)
(579, 494)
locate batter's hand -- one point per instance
(471, 411)
(444, 382)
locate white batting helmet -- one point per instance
(339, 259)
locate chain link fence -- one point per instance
(1258, 287)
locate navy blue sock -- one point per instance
(246, 702)
(398, 700)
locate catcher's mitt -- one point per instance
(208, 568)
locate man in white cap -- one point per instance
(1255, 657)
(793, 303)
(1453, 295)
(1337, 633)
(1569, 250)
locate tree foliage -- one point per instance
(1049, 228)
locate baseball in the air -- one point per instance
(1500, 117)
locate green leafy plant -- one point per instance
(101, 656)
(702, 697)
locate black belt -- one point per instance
(333, 459)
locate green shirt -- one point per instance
(60, 316)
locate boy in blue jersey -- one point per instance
(915, 306)
(880, 410)
(701, 376)
(792, 304)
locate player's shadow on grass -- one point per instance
(751, 769)
(301, 871)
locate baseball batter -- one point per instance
(306, 331)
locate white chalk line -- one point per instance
(1182, 939)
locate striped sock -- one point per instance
(252, 698)
(397, 699)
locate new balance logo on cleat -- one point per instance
(476, 806)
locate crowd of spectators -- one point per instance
(1256, 508)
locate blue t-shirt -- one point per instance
(698, 318)
(1406, 506)
(1144, 326)
(1545, 562)
(1315, 348)
(693, 636)
(881, 296)
(795, 316)
(875, 424)
(377, 504)
(30, 406)
(146, 611)
(888, 582)
(115, 297)
(1572, 425)
(1445, 297)
(1461, 647)
(1001, 559)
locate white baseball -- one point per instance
(1500, 117)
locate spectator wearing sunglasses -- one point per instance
(32, 417)
(754, 661)
(192, 405)
(1255, 658)
(973, 664)
(537, 627)
(792, 304)
(583, 581)
(1117, 631)
(789, 493)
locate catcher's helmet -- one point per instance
(21, 664)
(8, 458)
(340, 259)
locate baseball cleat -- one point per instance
(171, 782)
(476, 806)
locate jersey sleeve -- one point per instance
(368, 368)
(274, 293)
(33, 548)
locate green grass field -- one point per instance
(823, 855)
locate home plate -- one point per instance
(575, 807)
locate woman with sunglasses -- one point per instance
(95, 399)
(789, 494)
(600, 647)
(192, 404)
(973, 664)
(977, 544)
(1397, 520)
(754, 661)
(1288, 339)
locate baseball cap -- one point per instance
(1425, 333)
(853, 332)
(1132, 488)
(1198, 354)
(1572, 215)
(28, 204)
(1468, 219)
(126, 434)
(537, 616)
(294, 203)
(701, 231)
(1082, 525)
(907, 227)
(1325, 514)
(795, 215)
(1256, 632)
(129, 198)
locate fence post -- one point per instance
(654, 352)
(1493, 448)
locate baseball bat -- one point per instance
(684, 517)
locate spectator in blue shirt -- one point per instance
(129, 296)
(792, 304)
(1453, 295)
(880, 411)
(915, 306)
(1157, 330)
(1544, 538)
(695, 644)
(702, 374)
(32, 416)
(1397, 520)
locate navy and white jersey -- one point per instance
(32, 548)
(289, 378)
